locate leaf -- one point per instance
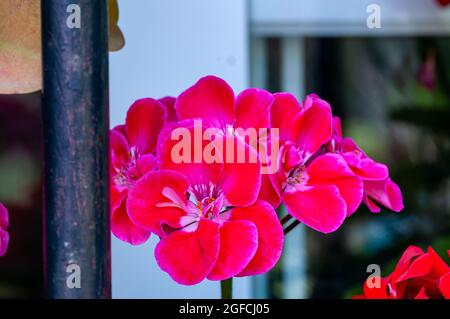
(20, 44)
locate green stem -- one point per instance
(226, 288)
(291, 227)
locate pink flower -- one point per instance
(318, 189)
(207, 215)
(212, 100)
(133, 147)
(378, 187)
(4, 224)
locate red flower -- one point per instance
(418, 275)
(378, 187)
(4, 224)
(443, 3)
(318, 189)
(207, 214)
(133, 147)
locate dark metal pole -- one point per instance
(75, 113)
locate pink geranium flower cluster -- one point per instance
(215, 215)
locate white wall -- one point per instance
(169, 45)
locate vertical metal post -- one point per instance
(75, 113)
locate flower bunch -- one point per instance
(205, 172)
(418, 275)
(4, 224)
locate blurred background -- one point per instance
(390, 85)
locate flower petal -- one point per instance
(402, 266)
(181, 148)
(4, 242)
(386, 193)
(124, 229)
(241, 179)
(270, 236)
(120, 150)
(268, 193)
(313, 126)
(146, 196)
(422, 294)
(331, 169)
(188, 257)
(238, 245)
(285, 107)
(4, 217)
(210, 99)
(145, 119)
(419, 267)
(440, 267)
(4, 235)
(318, 207)
(253, 108)
(146, 164)
(444, 285)
(169, 103)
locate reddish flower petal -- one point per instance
(117, 195)
(253, 108)
(169, 103)
(210, 99)
(386, 193)
(337, 126)
(145, 119)
(331, 169)
(420, 266)
(439, 266)
(188, 257)
(319, 207)
(313, 127)
(181, 148)
(366, 168)
(422, 294)
(285, 107)
(240, 180)
(146, 164)
(146, 196)
(238, 245)
(225, 162)
(404, 262)
(376, 292)
(268, 193)
(124, 229)
(120, 150)
(444, 285)
(270, 236)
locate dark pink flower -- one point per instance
(318, 189)
(378, 187)
(4, 235)
(207, 215)
(212, 100)
(133, 147)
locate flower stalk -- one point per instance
(226, 288)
